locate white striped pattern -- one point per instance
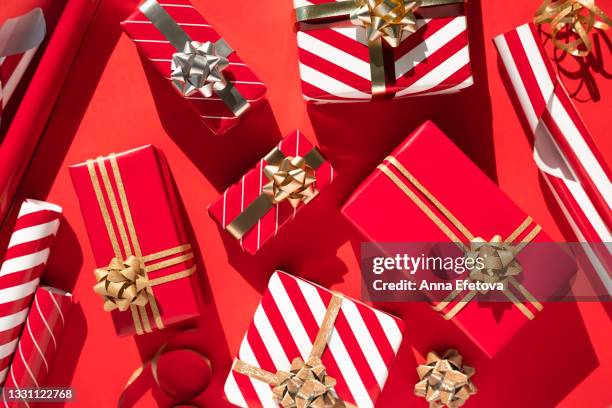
(354, 367)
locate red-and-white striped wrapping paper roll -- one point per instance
(335, 61)
(39, 341)
(26, 256)
(358, 355)
(564, 151)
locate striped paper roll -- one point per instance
(358, 354)
(38, 344)
(564, 151)
(335, 62)
(25, 259)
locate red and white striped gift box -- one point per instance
(25, 258)
(152, 43)
(39, 342)
(358, 355)
(20, 38)
(564, 151)
(238, 197)
(335, 62)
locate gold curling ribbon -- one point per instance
(579, 17)
(307, 384)
(445, 381)
(504, 269)
(383, 20)
(125, 283)
(290, 178)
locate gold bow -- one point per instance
(445, 381)
(122, 284)
(305, 385)
(579, 17)
(499, 260)
(386, 19)
(292, 179)
(198, 68)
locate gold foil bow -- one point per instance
(122, 284)
(577, 17)
(382, 19)
(292, 180)
(445, 381)
(198, 68)
(386, 19)
(499, 260)
(307, 384)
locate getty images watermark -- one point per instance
(403, 272)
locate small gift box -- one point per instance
(411, 197)
(307, 344)
(199, 64)
(359, 50)
(270, 195)
(145, 263)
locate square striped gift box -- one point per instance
(160, 30)
(335, 58)
(297, 319)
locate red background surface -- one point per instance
(113, 101)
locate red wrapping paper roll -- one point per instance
(39, 342)
(25, 258)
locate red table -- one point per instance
(113, 102)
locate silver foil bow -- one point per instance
(198, 68)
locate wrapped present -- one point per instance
(33, 111)
(358, 50)
(25, 258)
(568, 159)
(20, 38)
(270, 195)
(145, 263)
(413, 197)
(39, 343)
(308, 346)
(199, 64)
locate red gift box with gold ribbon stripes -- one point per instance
(145, 261)
(443, 196)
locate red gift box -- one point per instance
(290, 322)
(337, 63)
(383, 212)
(238, 204)
(159, 50)
(130, 210)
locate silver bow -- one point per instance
(198, 68)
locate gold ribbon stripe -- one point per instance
(129, 240)
(454, 221)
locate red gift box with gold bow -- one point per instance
(144, 259)
(428, 191)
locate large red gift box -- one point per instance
(238, 198)
(357, 351)
(335, 55)
(130, 209)
(430, 167)
(159, 51)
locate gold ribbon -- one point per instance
(495, 248)
(307, 384)
(579, 17)
(445, 381)
(125, 282)
(382, 19)
(290, 178)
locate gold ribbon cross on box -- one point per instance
(499, 255)
(383, 20)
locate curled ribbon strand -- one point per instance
(579, 17)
